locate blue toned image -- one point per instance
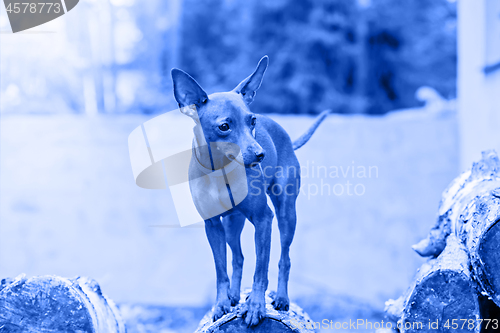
(249, 166)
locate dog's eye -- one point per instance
(224, 127)
(253, 121)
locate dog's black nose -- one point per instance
(260, 157)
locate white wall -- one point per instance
(478, 94)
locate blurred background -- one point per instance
(115, 56)
(73, 89)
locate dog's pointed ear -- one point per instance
(187, 91)
(249, 86)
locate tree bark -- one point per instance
(479, 230)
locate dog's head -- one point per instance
(226, 121)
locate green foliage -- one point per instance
(323, 53)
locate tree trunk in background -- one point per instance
(176, 15)
(362, 61)
(107, 56)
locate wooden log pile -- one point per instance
(458, 288)
(55, 304)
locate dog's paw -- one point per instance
(234, 297)
(254, 311)
(281, 303)
(221, 308)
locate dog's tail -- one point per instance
(307, 135)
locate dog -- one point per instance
(257, 143)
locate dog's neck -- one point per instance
(207, 156)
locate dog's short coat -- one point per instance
(225, 117)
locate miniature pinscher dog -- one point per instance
(267, 153)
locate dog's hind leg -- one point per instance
(233, 225)
(287, 219)
(217, 239)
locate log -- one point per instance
(55, 304)
(470, 209)
(479, 229)
(441, 294)
(294, 320)
(462, 278)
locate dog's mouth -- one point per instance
(238, 158)
(241, 161)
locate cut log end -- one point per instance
(48, 304)
(54, 304)
(442, 296)
(442, 291)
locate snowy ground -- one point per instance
(69, 206)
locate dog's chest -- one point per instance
(217, 192)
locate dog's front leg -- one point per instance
(217, 239)
(256, 305)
